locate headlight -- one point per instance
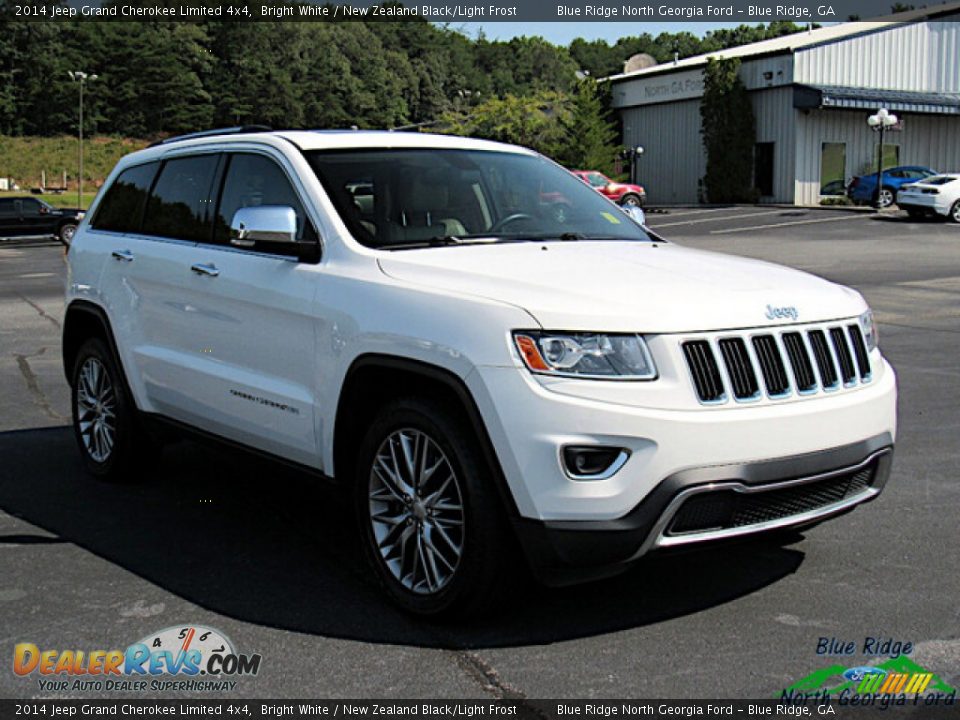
(603, 356)
(871, 334)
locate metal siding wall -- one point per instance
(775, 116)
(920, 57)
(673, 160)
(929, 140)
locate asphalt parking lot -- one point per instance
(267, 557)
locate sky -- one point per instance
(561, 33)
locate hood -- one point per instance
(627, 187)
(627, 286)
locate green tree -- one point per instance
(729, 133)
(590, 140)
(533, 121)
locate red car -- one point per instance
(620, 193)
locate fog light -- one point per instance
(583, 462)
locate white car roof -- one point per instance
(321, 140)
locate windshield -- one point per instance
(411, 197)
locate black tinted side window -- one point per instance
(179, 206)
(254, 180)
(122, 207)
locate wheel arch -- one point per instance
(83, 320)
(372, 379)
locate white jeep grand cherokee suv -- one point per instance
(483, 350)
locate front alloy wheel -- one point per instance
(955, 212)
(416, 511)
(886, 198)
(433, 529)
(630, 200)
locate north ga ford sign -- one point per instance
(659, 88)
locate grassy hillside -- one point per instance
(23, 158)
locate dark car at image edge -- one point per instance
(22, 217)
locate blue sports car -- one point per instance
(863, 188)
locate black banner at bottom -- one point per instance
(890, 707)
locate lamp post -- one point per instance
(635, 162)
(82, 78)
(879, 122)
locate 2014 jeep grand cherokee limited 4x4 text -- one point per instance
(490, 356)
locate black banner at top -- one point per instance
(465, 11)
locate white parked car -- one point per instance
(410, 316)
(937, 195)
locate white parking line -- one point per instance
(679, 212)
(717, 219)
(855, 216)
(32, 276)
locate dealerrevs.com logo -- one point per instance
(188, 658)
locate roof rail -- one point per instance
(218, 131)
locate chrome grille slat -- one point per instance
(703, 368)
(821, 351)
(739, 368)
(771, 365)
(844, 358)
(803, 375)
(860, 351)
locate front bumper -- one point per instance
(788, 492)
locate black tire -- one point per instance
(955, 212)
(631, 199)
(66, 232)
(468, 589)
(130, 447)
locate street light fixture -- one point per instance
(82, 78)
(879, 122)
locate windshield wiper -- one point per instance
(438, 241)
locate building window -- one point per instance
(891, 156)
(833, 168)
(763, 168)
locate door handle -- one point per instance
(124, 255)
(208, 269)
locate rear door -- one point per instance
(147, 227)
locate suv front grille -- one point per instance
(728, 509)
(801, 360)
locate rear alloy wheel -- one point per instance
(955, 212)
(431, 523)
(886, 198)
(105, 422)
(630, 200)
(66, 234)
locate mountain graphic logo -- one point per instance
(896, 675)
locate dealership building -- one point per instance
(812, 93)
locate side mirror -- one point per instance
(264, 223)
(635, 213)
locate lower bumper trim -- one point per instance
(566, 552)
